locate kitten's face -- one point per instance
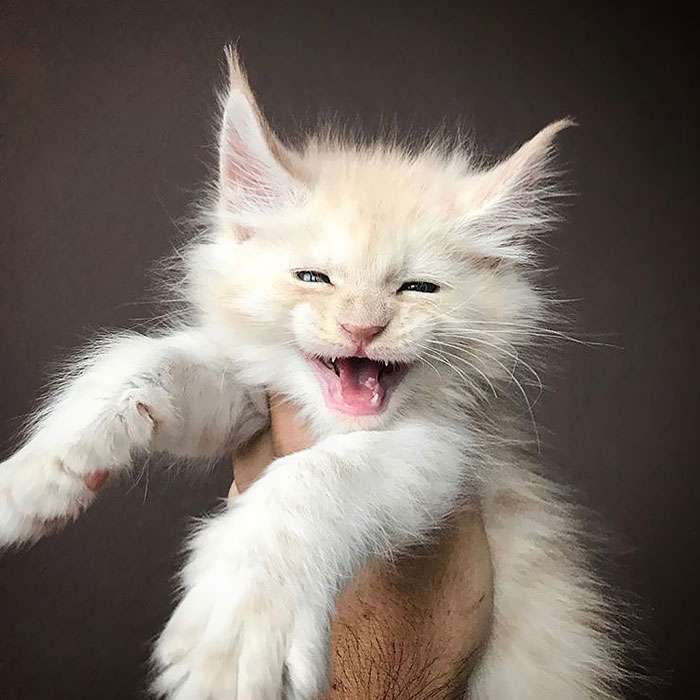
(363, 294)
(366, 282)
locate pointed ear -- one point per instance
(254, 166)
(509, 205)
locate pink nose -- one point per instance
(362, 334)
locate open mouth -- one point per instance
(357, 386)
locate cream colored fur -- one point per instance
(262, 578)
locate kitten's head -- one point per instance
(367, 280)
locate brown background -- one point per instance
(106, 134)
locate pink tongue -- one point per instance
(359, 383)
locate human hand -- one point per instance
(287, 434)
(432, 606)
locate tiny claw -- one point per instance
(96, 480)
(144, 411)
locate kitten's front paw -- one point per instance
(57, 474)
(242, 633)
(40, 492)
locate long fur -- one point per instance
(260, 585)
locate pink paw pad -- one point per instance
(96, 480)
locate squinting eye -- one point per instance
(425, 287)
(312, 276)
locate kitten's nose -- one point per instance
(362, 334)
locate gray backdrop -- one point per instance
(106, 140)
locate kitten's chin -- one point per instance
(356, 386)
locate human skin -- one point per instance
(411, 628)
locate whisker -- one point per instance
(513, 355)
(521, 389)
(476, 369)
(456, 370)
(431, 365)
(530, 330)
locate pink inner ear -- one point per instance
(248, 183)
(251, 179)
(243, 170)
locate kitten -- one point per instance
(392, 295)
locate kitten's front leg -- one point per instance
(262, 578)
(133, 394)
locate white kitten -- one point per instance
(389, 293)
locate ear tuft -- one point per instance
(236, 73)
(509, 204)
(238, 80)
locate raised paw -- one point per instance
(57, 474)
(40, 493)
